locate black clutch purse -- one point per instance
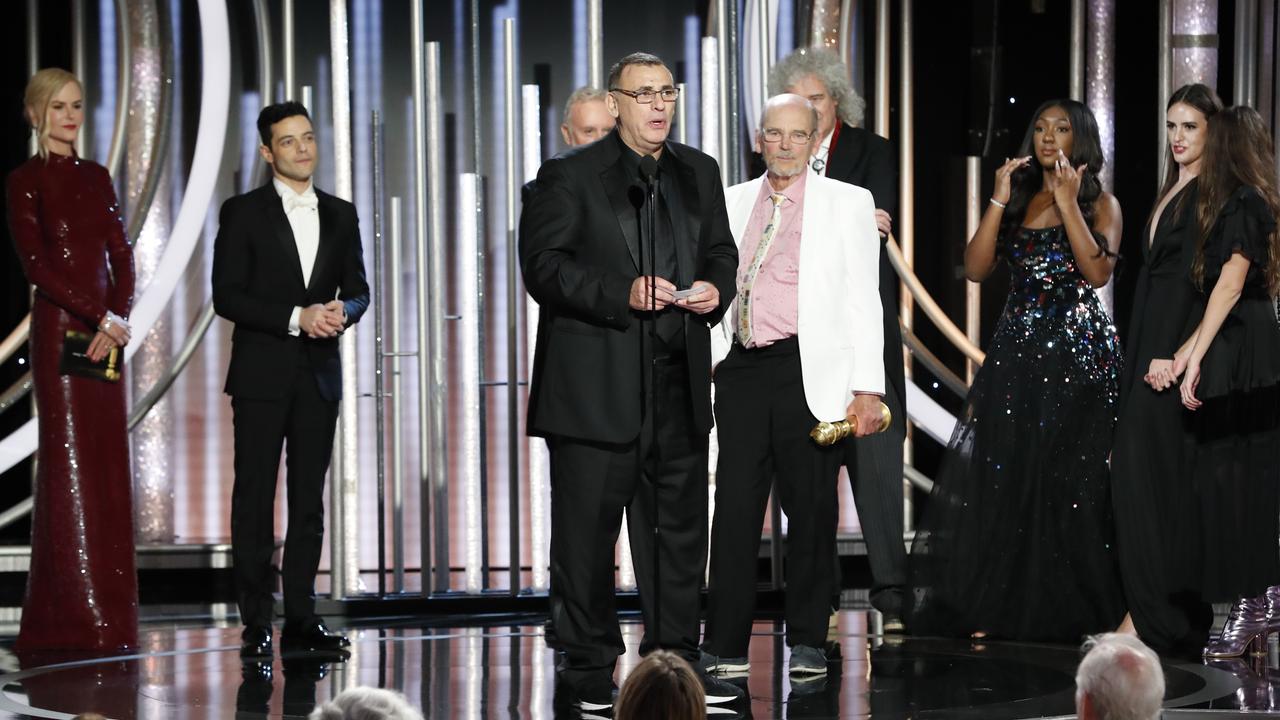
(75, 359)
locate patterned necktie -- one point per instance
(749, 279)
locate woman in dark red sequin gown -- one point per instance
(82, 589)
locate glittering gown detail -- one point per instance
(1016, 538)
(82, 591)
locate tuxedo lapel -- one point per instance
(328, 239)
(273, 209)
(617, 185)
(840, 161)
(685, 204)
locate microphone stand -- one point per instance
(649, 170)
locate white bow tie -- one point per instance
(293, 202)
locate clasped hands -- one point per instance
(113, 332)
(1162, 374)
(323, 321)
(655, 293)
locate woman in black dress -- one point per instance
(1016, 540)
(1231, 376)
(1150, 482)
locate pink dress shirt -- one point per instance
(774, 300)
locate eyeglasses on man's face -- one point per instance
(644, 97)
(774, 135)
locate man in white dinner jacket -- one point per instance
(802, 343)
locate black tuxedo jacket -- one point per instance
(580, 252)
(257, 282)
(865, 159)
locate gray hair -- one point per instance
(1122, 678)
(586, 93)
(827, 66)
(635, 58)
(366, 703)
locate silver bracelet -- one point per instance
(998, 204)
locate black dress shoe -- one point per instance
(311, 636)
(255, 642)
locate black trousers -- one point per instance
(302, 423)
(874, 463)
(591, 484)
(763, 423)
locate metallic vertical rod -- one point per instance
(682, 115)
(435, 335)
(266, 74)
(419, 160)
(396, 340)
(347, 499)
(471, 233)
(80, 65)
(766, 46)
(288, 50)
(732, 117)
(306, 96)
(33, 57)
(379, 333)
(1244, 85)
(1164, 82)
(711, 102)
(514, 174)
(906, 162)
(124, 80)
(1076, 71)
(906, 222)
(972, 290)
(722, 88)
(595, 43)
(535, 447)
(881, 126)
(475, 86)
(843, 46)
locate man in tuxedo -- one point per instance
(289, 272)
(801, 343)
(586, 117)
(620, 384)
(851, 154)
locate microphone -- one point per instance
(649, 169)
(830, 433)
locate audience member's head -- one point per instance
(662, 686)
(586, 117)
(366, 703)
(1118, 679)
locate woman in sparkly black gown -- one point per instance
(1151, 482)
(1016, 540)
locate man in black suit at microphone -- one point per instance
(621, 377)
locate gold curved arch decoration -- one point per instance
(930, 306)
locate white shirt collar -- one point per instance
(283, 190)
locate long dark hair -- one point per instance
(1086, 149)
(1202, 98)
(1238, 152)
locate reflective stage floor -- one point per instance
(460, 669)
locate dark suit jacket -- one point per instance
(865, 159)
(580, 253)
(257, 282)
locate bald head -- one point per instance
(794, 103)
(788, 126)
